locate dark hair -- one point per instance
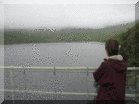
(112, 47)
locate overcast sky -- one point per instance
(61, 15)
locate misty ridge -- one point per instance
(71, 29)
(66, 34)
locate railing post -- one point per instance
(127, 80)
(24, 77)
(136, 91)
(86, 84)
(55, 83)
(12, 84)
(54, 71)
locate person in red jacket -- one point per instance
(111, 75)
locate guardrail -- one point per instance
(88, 69)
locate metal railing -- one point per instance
(88, 69)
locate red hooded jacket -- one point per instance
(111, 76)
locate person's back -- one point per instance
(111, 76)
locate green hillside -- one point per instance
(17, 36)
(128, 45)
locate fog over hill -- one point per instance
(68, 29)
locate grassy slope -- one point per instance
(127, 40)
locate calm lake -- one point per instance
(55, 54)
(76, 54)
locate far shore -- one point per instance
(92, 42)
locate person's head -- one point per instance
(112, 47)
